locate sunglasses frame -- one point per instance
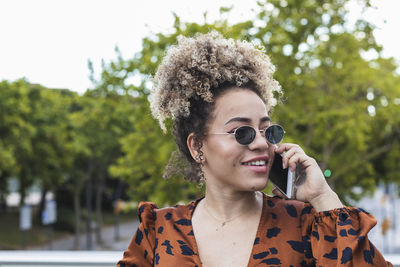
(263, 133)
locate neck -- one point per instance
(225, 205)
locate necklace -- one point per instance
(224, 222)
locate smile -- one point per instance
(255, 163)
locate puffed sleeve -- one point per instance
(339, 238)
(140, 251)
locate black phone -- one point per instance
(283, 179)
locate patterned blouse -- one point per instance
(290, 233)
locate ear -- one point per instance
(192, 145)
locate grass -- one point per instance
(11, 237)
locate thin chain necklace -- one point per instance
(224, 222)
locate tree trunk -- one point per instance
(3, 191)
(99, 214)
(41, 206)
(3, 204)
(77, 209)
(89, 186)
(22, 188)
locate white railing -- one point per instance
(83, 258)
(59, 258)
(393, 258)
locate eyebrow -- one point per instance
(242, 119)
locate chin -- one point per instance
(258, 185)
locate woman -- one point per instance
(219, 94)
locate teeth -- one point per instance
(255, 163)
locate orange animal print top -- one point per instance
(290, 233)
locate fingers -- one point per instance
(294, 160)
(293, 154)
(285, 147)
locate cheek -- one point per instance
(222, 150)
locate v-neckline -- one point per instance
(261, 223)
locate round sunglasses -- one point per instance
(245, 135)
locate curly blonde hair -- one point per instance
(195, 72)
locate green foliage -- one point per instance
(33, 121)
(15, 128)
(146, 152)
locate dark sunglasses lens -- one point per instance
(274, 134)
(245, 135)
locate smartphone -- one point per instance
(283, 179)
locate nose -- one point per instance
(259, 142)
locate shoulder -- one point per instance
(146, 208)
(286, 208)
(150, 213)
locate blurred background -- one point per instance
(79, 148)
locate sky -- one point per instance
(50, 41)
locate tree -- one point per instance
(100, 122)
(15, 130)
(50, 143)
(385, 102)
(36, 136)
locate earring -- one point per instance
(199, 157)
